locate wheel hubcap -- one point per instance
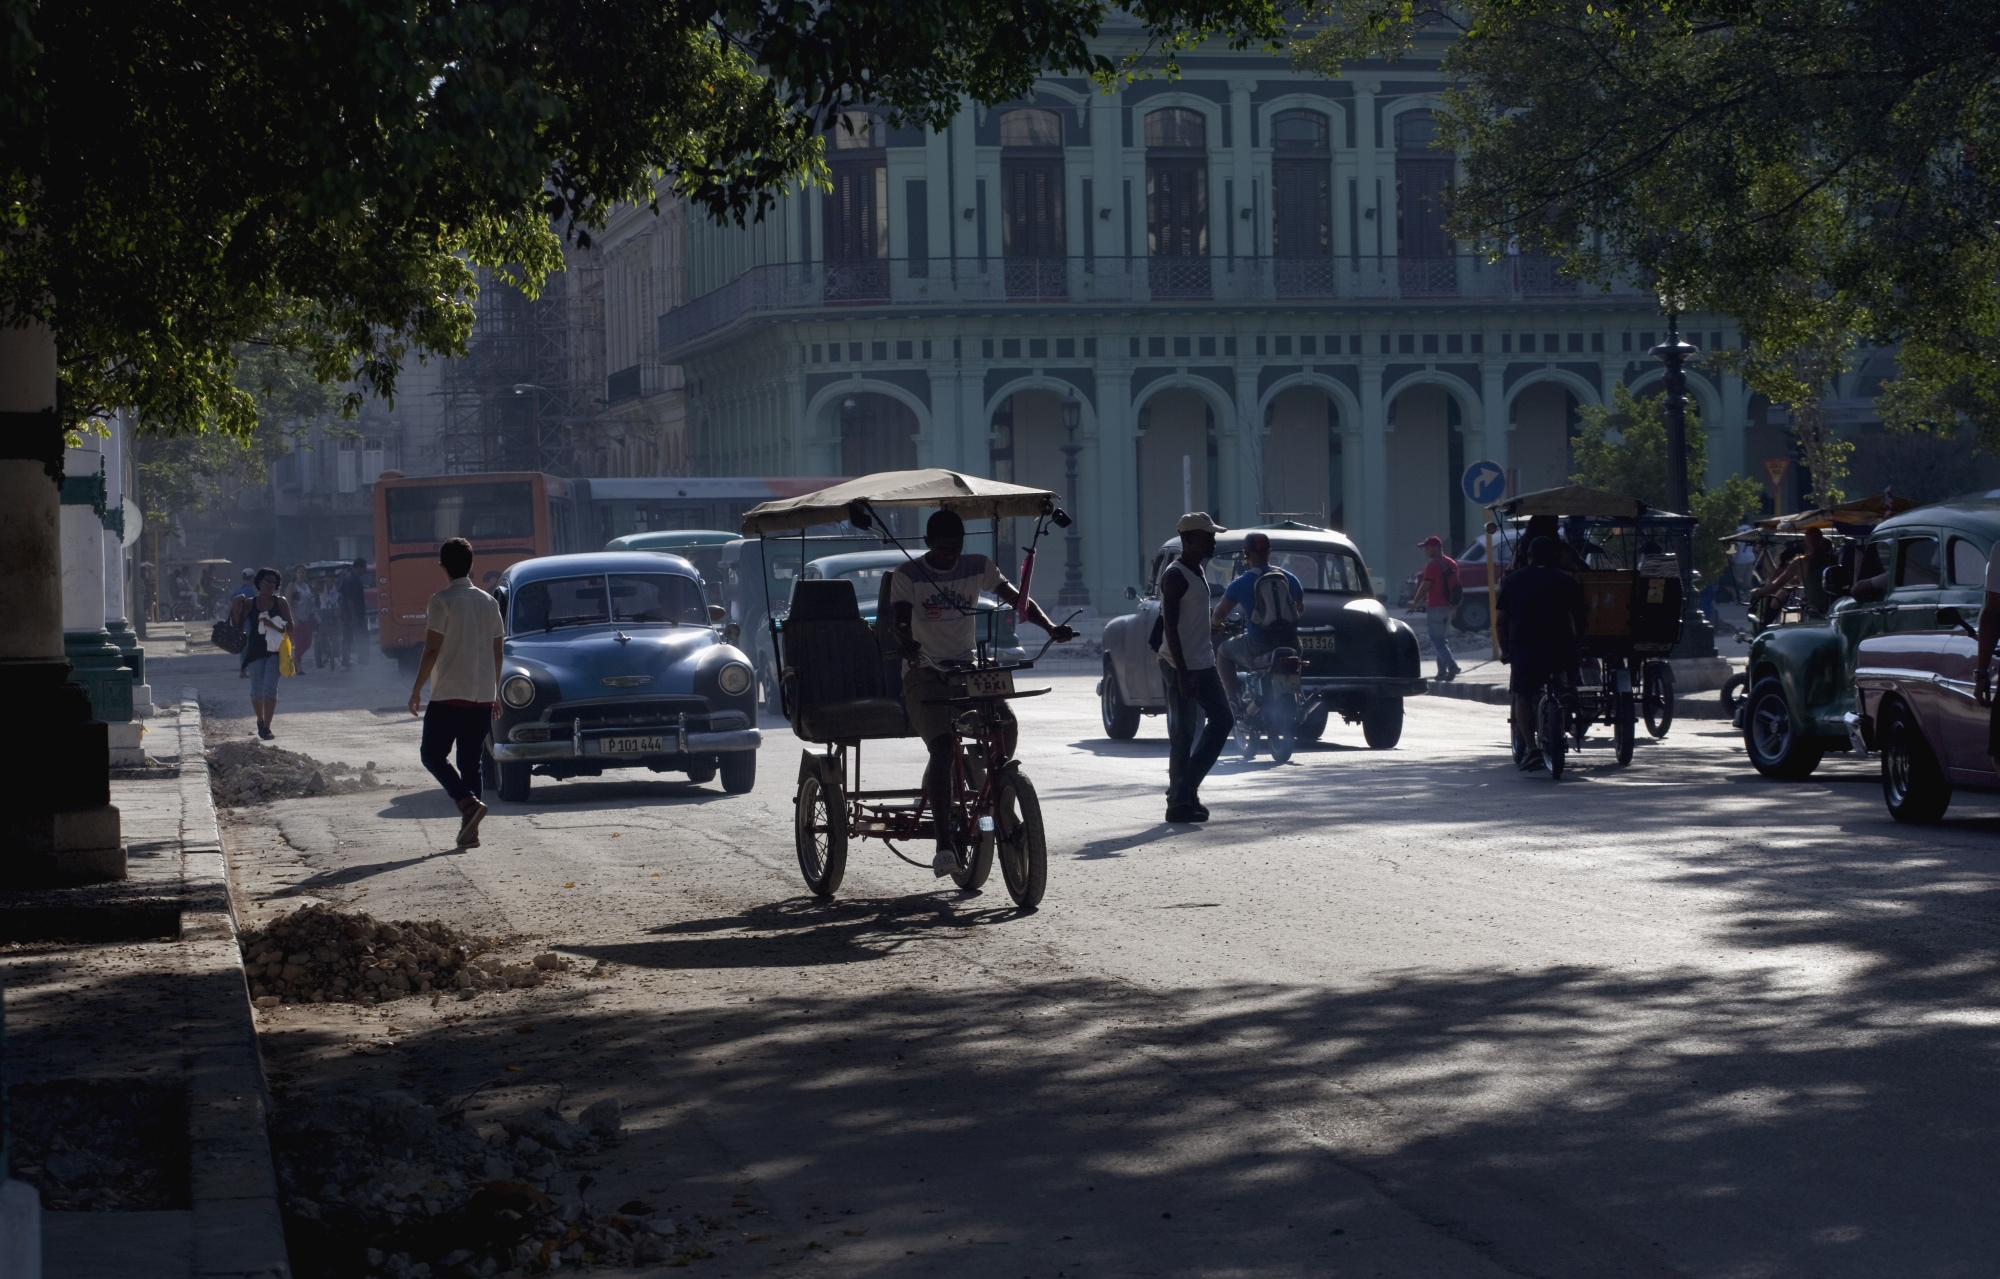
(1771, 727)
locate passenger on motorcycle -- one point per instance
(1539, 621)
(1272, 601)
(934, 599)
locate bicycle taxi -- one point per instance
(841, 686)
(1634, 564)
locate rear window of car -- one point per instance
(1968, 564)
(1335, 572)
(1916, 561)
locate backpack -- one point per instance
(1454, 590)
(1272, 608)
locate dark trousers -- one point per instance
(464, 727)
(1189, 760)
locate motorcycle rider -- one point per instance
(1242, 652)
(934, 599)
(1540, 618)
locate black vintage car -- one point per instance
(1359, 662)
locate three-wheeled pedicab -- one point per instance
(841, 687)
(1633, 563)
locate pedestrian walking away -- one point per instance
(354, 612)
(1540, 619)
(1438, 593)
(1187, 667)
(461, 662)
(263, 616)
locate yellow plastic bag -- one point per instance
(286, 666)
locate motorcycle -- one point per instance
(1269, 706)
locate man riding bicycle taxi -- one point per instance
(1271, 599)
(933, 600)
(1539, 620)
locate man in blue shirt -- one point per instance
(1256, 641)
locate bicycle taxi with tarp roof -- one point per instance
(840, 688)
(1634, 564)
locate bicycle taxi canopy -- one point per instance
(1857, 518)
(967, 496)
(1635, 563)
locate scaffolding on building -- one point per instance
(524, 396)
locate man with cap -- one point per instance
(934, 599)
(1187, 665)
(1433, 600)
(1243, 651)
(1539, 621)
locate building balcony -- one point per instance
(794, 290)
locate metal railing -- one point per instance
(997, 281)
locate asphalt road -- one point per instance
(1402, 1013)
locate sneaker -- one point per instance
(944, 863)
(468, 830)
(1182, 814)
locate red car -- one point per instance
(1914, 702)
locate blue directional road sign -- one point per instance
(1484, 482)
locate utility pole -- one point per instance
(1674, 353)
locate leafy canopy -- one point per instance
(1623, 449)
(180, 177)
(1813, 168)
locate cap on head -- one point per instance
(249, 574)
(1433, 540)
(943, 524)
(1198, 522)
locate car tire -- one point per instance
(1121, 722)
(515, 781)
(1472, 613)
(1382, 723)
(1913, 782)
(739, 772)
(1313, 726)
(702, 773)
(1776, 746)
(1734, 690)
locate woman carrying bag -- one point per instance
(263, 618)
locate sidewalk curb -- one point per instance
(1693, 706)
(239, 1230)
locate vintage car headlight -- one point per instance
(517, 691)
(733, 679)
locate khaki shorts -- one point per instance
(924, 694)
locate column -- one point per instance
(1372, 234)
(1113, 555)
(121, 520)
(1493, 405)
(1242, 459)
(1373, 526)
(98, 664)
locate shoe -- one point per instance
(944, 863)
(1199, 809)
(468, 830)
(264, 731)
(1182, 814)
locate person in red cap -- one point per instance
(1437, 584)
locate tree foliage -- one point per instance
(1623, 449)
(1813, 168)
(180, 177)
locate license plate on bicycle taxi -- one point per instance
(988, 683)
(632, 745)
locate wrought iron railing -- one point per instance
(1000, 282)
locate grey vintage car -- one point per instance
(1359, 662)
(612, 660)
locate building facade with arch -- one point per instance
(1240, 276)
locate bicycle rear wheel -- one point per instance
(1022, 848)
(1624, 718)
(1553, 733)
(820, 829)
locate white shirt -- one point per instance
(1196, 646)
(469, 620)
(943, 602)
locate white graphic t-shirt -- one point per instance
(942, 603)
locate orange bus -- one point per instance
(507, 516)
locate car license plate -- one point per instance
(988, 683)
(1316, 643)
(632, 745)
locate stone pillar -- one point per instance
(1119, 559)
(1372, 530)
(57, 825)
(1493, 405)
(99, 664)
(120, 514)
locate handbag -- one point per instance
(286, 666)
(228, 638)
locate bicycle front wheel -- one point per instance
(820, 831)
(1555, 738)
(1023, 850)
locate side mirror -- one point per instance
(731, 633)
(1837, 581)
(717, 613)
(1952, 617)
(1131, 592)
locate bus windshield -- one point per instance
(431, 513)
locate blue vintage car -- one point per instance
(613, 660)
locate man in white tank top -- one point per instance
(1187, 665)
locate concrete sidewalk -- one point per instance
(133, 994)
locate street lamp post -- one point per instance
(1073, 593)
(1674, 353)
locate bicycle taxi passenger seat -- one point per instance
(833, 668)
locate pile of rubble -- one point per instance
(92, 1147)
(319, 954)
(387, 1188)
(245, 773)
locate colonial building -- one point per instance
(1240, 278)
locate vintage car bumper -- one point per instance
(590, 746)
(1860, 731)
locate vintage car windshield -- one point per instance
(1335, 572)
(595, 599)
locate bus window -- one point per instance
(431, 513)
